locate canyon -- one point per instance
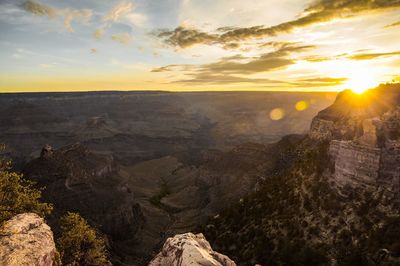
(325, 188)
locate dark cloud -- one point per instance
(185, 37)
(231, 46)
(369, 56)
(318, 11)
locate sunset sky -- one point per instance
(196, 45)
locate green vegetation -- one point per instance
(18, 195)
(79, 244)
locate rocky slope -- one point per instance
(78, 180)
(335, 202)
(26, 240)
(189, 249)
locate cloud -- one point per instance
(83, 15)
(120, 10)
(231, 46)
(98, 34)
(123, 38)
(168, 68)
(224, 79)
(186, 37)
(396, 24)
(319, 82)
(39, 9)
(230, 69)
(136, 19)
(265, 62)
(319, 11)
(68, 15)
(369, 56)
(123, 10)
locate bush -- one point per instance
(79, 244)
(18, 195)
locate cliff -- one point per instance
(363, 135)
(26, 240)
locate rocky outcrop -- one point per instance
(364, 138)
(189, 249)
(26, 240)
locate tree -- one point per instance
(79, 244)
(18, 195)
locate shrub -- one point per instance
(79, 244)
(18, 195)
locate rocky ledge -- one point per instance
(189, 249)
(26, 240)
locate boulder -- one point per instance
(26, 240)
(189, 249)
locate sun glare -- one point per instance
(360, 82)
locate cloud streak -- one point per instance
(319, 11)
(120, 10)
(370, 56)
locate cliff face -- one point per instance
(363, 135)
(26, 240)
(189, 249)
(76, 179)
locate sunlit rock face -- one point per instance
(354, 164)
(189, 249)
(27, 240)
(364, 138)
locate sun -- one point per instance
(360, 82)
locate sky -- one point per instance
(198, 45)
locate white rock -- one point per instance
(26, 240)
(189, 249)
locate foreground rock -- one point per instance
(26, 240)
(189, 249)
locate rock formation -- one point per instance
(363, 134)
(26, 240)
(189, 249)
(77, 179)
